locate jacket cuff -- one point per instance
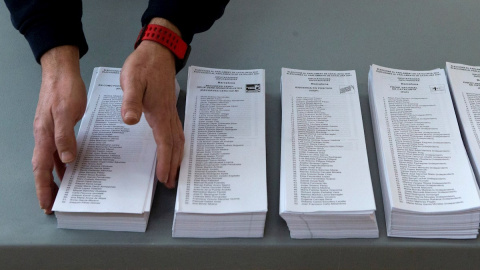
(170, 11)
(189, 16)
(48, 35)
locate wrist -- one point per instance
(165, 35)
(166, 23)
(60, 61)
(157, 53)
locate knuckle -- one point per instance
(38, 126)
(38, 168)
(69, 109)
(63, 108)
(59, 110)
(41, 130)
(166, 142)
(62, 139)
(38, 163)
(38, 123)
(182, 137)
(35, 165)
(178, 141)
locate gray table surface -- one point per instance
(323, 35)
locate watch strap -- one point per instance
(167, 38)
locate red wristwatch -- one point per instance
(167, 38)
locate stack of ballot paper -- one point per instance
(111, 184)
(325, 185)
(222, 182)
(464, 84)
(429, 189)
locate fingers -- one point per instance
(164, 154)
(133, 92)
(61, 103)
(170, 140)
(167, 131)
(52, 136)
(147, 80)
(43, 163)
(177, 150)
(60, 167)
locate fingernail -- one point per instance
(131, 115)
(66, 157)
(163, 180)
(171, 185)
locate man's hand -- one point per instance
(61, 104)
(148, 83)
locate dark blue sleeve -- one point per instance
(49, 23)
(190, 16)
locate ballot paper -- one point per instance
(111, 184)
(428, 186)
(222, 181)
(325, 184)
(464, 84)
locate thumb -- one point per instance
(133, 91)
(65, 137)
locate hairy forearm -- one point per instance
(60, 61)
(166, 23)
